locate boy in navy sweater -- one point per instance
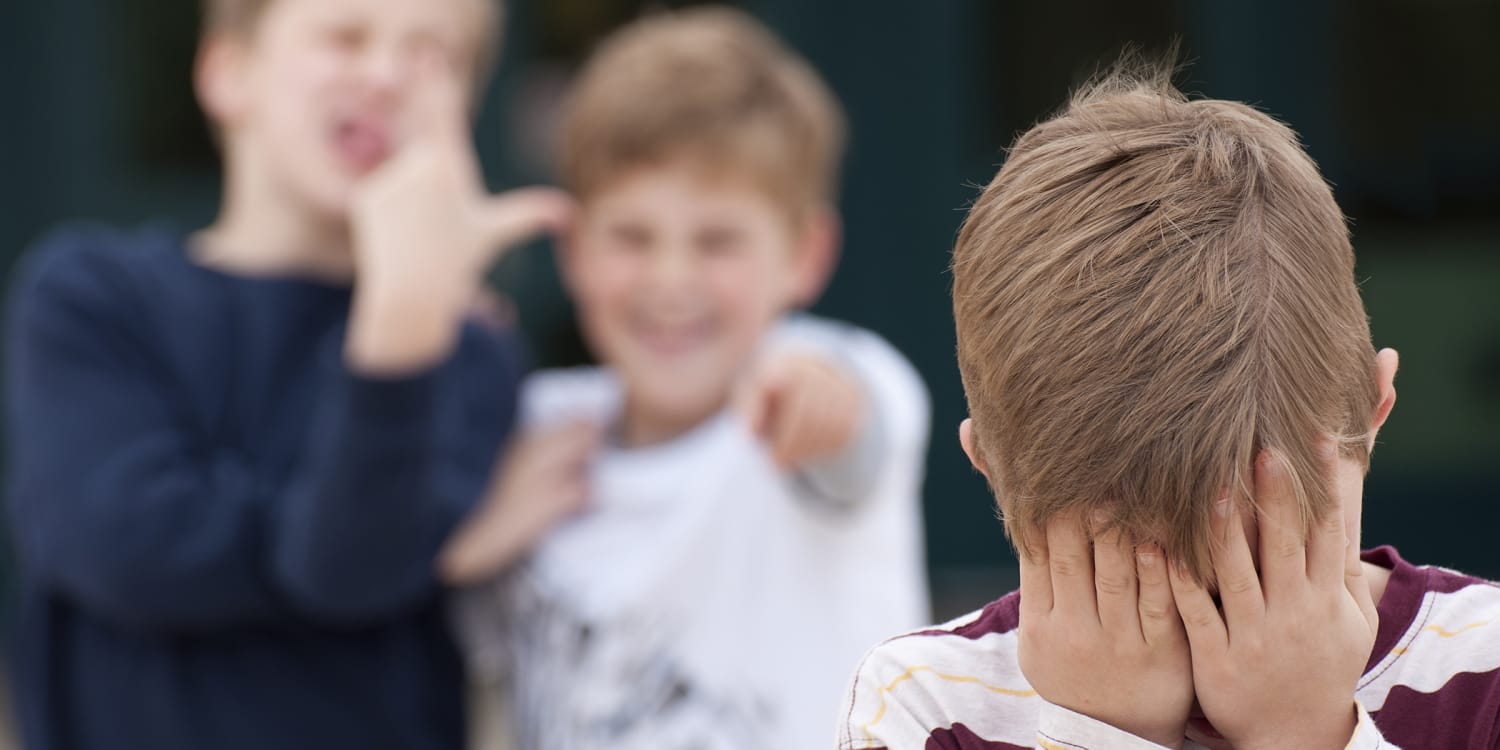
(236, 455)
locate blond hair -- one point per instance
(1150, 291)
(710, 85)
(240, 18)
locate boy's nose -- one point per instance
(388, 71)
(671, 268)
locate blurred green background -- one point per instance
(1396, 99)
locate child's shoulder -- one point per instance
(1417, 597)
(84, 262)
(1436, 625)
(960, 679)
(964, 636)
(99, 243)
(1434, 674)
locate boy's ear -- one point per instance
(1386, 364)
(817, 255)
(218, 77)
(966, 439)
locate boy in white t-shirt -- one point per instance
(736, 492)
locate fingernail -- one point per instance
(1223, 507)
(1145, 557)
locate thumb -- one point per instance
(440, 106)
(515, 216)
(758, 400)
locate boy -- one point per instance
(231, 473)
(1172, 392)
(754, 512)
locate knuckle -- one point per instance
(1199, 618)
(1331, 523)
(1155, 611)
(1252, 648)
(1067, 564)
(1239, 585)
(1113, 585)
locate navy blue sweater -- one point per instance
(226, 538)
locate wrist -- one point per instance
(481, 547)
(1073, 728)
(1324, 735)
(1167, 734)
(395, 330)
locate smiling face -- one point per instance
(677, 276)
(318, 94)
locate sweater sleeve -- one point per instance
(120, 506)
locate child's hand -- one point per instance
(1278, 667)
(425, 231)
(805, 408)
(542, 480)
(1100, 635)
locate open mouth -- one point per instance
(362, 144)
(675, 338)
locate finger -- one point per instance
(1071, 565)
(1328, 547)
(565, 449)
(826, 408)
(1234, 566)
(759, 398)
(1114, 581)
(1036, 578)
(1206, 632)
(1283, 547)
(440, 106)
(792, 433)
(746, 401)
(574, 434)
(1359, 588)
(573, 495)
(515, 216)
(1160, 623)
(845, 410)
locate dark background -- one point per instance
(1398, 101)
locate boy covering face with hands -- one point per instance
(1174, 397)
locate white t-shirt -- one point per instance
(708, 599)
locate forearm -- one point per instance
(845, 479)
(357, 531)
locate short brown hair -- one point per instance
(712, 85)
(240, 18)
(1150, 291)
